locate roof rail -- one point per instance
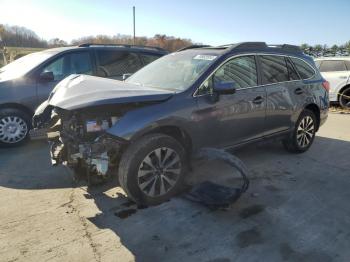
(123, 45)
(246, 45)
(292, 48)
(192, 47)
(262, 45)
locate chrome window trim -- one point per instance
(250, 87)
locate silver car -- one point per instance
(28, 81)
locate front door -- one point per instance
(231, 119)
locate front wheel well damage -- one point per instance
(315, 109)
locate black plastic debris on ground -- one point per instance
(216, 196)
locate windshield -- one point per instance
(176, 71)
(23, 65)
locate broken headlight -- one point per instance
(99, 125)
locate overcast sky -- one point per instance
(209, 22)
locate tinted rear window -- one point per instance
(332, 66)
(305, 71)
(116, 63)
(293, 75)
(274, 69)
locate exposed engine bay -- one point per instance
(78, 141)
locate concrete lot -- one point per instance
(296, 209)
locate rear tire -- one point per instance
(344, 98)
(152, 169)
(303, 135)
(14, 127)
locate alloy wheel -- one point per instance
(159, 172)
(305, 131)
(13, 129)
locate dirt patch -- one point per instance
(249, 237)
(339, 110)
(125, 213)
(251, 211)
(272, 188)
(289, 254)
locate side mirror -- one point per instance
(46, 77)
(125, 76)
(224, 87)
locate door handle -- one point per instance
(343, 77)
(298, 91)
(258, 100)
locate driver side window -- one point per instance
(240, 70)
(73, 63)
(56, 68)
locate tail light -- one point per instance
(326, 85)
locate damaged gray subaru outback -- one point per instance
(145, 129)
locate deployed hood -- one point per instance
(80, 91)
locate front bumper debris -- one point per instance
(98, 159)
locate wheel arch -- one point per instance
(177, 133)
(316, 110)
(17, 106)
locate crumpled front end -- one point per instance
(79, 141)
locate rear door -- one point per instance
(232, 119)
(337, 74)
(278, 76)
(114, 63)
(62, 66)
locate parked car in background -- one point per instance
(146, 128)
(336, 70)
(28, 81)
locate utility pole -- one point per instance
(133, 11)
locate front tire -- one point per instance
(303, 135)
(14, 127)
(152, 169)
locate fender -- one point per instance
(140, 121)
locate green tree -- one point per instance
(334, 49)
(304, 47)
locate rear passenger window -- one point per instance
(305, 71)
(116, 63)
(148, 58)
(293, 75)
(241, 70)
(332, 66)
(274, 69)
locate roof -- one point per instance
(333, 58)
(123, 47)
(250, 46)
